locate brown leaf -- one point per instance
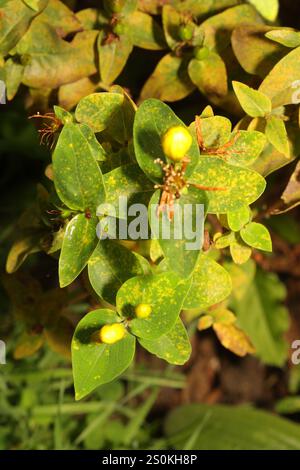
(234, 339)
(169, 81)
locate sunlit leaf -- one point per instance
(174, 346)
(96, 363)
(163, 292)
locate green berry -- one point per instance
(119, 29)
(201, 53)
(115, 6)
(186, 32)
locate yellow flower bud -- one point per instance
(143, 310)
(176, 143)
(110, 334)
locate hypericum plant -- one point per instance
(109, 148)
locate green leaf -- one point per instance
(252, 49)
(263, 318)
(164, 292)
(202, 427)
(286, 37)
(288, 405)
(240, 252)
(237, 219)
(174, 346)
(96, 363)
(130, 182)
(180, 249)
(210, 285)
(253, 102)
(15, 18)
(277, 135)
(257, 236)
(246, 147)
(224, 241)
(153, 118)
(169, 81)
(98, 109)
(110, 265)
(145, 32)
(113, 56)
(209, 74)
(282, 83)
(121, 123)
(64, 116)
(241, 186)
(95, 147)
(77, 176)
(268, 8)
(215, 130)
(78, 245)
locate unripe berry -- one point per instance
(186, 32)
(176, 143)
(119, 29)
(110, 334)
(201, 53)
(115, 5)
(143, 310)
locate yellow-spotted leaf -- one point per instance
(277, 135)
(110, 265)
(234, 186)
(77, 176)
(253, 102)
(98, 109)
(174, 346)
(96, 363)
(211, 284)
(257, 236)
(165, 294)
(79, 242)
